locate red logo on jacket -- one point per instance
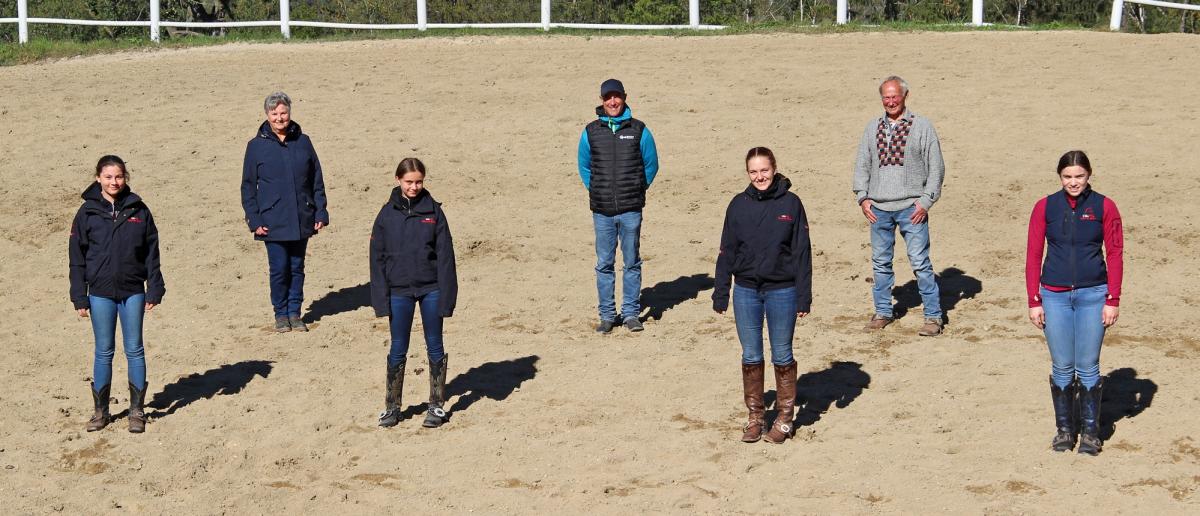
(429, 220)
(135, 220)
(785, 218)
(1088, 214)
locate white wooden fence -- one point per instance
(1119, 8)
(285, 23)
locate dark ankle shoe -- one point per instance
(101, 416)
(137, 414)
(283, 325)
(436, 416)
(394, 388)
(297, 323)
(1064, 416)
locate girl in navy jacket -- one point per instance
(765, 247)
(1074, 295)
(115, 274)
(412, 262)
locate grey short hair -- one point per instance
(276, 99)
(897, 78)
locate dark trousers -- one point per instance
(286, 261)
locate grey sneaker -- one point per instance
(606, 326)
(633, 324)
(282, 325)
(931, 328)
(297, 323)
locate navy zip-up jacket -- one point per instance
(282, 185)
(412, 253)
(113, 249)
(765, 245)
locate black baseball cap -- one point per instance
(611, 85)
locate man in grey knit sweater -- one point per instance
(897, 179)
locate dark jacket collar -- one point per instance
(423, 204)
(779, 187)
(93, 197)
(293, 132)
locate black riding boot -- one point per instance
(435, 417)
(1064, 416)
(391, 399)
(1089, 418)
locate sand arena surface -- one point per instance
(546, 414)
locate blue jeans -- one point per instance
(286, 261)
(779, 308)
(104, 314)
(401, 320)
(627, 228)
(1074, 331)
(883, 244)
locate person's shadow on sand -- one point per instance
(1124, 396)
(953, 286)
(347, 299)
(666, 295)
(817, 391)
(492, 380)
(226, 380)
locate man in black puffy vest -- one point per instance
(617, 162)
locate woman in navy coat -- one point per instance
(283, 195)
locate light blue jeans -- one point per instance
(626, 229)
(1074, 331)
(883, 244)
(104, 314)
(778, 307)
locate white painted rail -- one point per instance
(285, 22)
(1118, 9)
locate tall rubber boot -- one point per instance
(1089, 418)
(435, 416)
(752, 390)
(785, 403)
(100, 417)
(393, 390)
(1064, 401)
(137, 413)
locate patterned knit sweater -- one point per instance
(899, 165)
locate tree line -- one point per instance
(1085, 13)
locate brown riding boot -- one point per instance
(100, 401)
(752, 388)
(785, 403)
(137, 416)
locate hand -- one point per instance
(919, 214)
(261, 231)
(866, 208)
(150, 306)
(800, 315)
(1037, 316)
(1110, 315)
(318, 226)
(83, 312)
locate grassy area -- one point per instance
(44, 49)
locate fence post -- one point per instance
(22, 22)
(285, 19)
(977, 13)
(1118, 12)
(422, 16)
(154, 19)
(841, 12)
(694, 13)
(545, 14)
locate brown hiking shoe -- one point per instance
(878, 322)
(932, 327)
